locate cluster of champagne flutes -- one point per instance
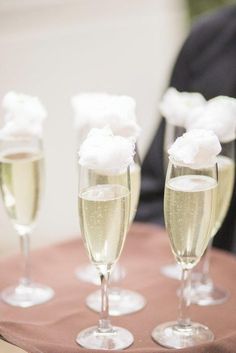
(107, 204)
(185, 111)
(189, 193)
(204, 291)
(22, 178)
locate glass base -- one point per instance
(88, 273)
(91, 338)
(172, 271)
(172, 335)
(121, 301)
(25, 296)
(208, 294)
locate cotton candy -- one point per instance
(176, 106)
(24, 115)
(97, 110)
(218, 115)
(196, 148)
(105, 152)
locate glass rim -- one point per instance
(191, 166)
(109, 170)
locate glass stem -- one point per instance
(25, 251)
(104, 324)
(185, 298)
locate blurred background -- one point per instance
(55, 49)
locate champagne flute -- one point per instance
(87, 272)
(189, 208)
(104, 211)
(204, 291)
(123, 301)
(172, 270)
(21, 182)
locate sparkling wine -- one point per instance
(104, 212)
(135, 184)
(20, 182)
(135, 181)
(224, 189)
(189, 208)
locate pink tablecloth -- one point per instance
(52, 327)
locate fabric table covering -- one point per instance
(53, 326)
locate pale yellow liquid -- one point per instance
(135, 181)
(104, 216)
(189, 208)
(135, 185)
(226, 169)
(20, 181)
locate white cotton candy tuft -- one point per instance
(176, 106)
(104, 152)
(97, 110)
(24, 115)
(218, 115)
(196, 148)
